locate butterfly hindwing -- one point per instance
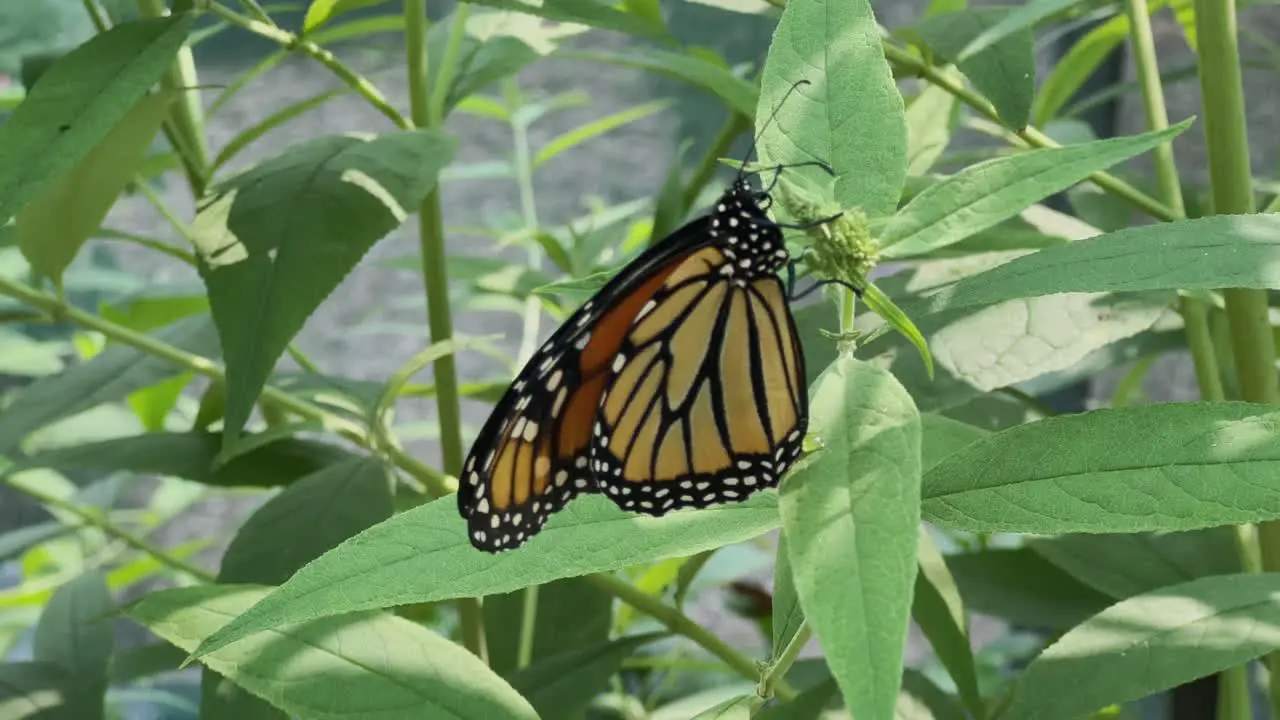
(532, 455)
(705, 401)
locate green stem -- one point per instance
(777, 669)
(95, 15)
(435, 275)
(1253, 347)
(357, 82)
(1028, 136)
(529, 209)
(1234, 702)
(448, 65)
(93, 520)
(185, 124)
(679, 623)
(528, 624)
(54, 307)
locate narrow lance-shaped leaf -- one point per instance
(55, 225)
(939, 612)
(1243, 251)
(75, 634)
(850, 514)
(391, 668)
(1176, 466)
(424, 555)
(276, 240)
(1150, 643)
(79, 100)
(851, 116)
(984, 195)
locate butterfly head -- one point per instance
(750, 241)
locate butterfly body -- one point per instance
(680, 384)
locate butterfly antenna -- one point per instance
(742, 169)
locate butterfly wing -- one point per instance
(532, 455)
(705, 402)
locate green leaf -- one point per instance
(423, 555)
(931, 118)
(390, 667)
(1244, 251)
(941, 436)
(1176, 466)
(1124, 565)
(143, 314)
(562, 686)
(56, 224)
(144, 661)
(884, 306)
(479, 63)
(787, 613)
(859, 493)
(75, 635)
(20, 355)
(35, 691)
(1151, 643)
(110, 376)
(572, 614)
(1020, 19)
(596, 128)
(939, 612)
(852, 114)
(78, 101)
(190, 455)
(1004, 71)
(983, 195)
(1023, 588)
(313, 515)
(575, 290)
(267, 269)
(740, 95)
(735, 708)
(587, 12)
(320, 12)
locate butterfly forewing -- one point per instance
(705, 400)
(532, 455)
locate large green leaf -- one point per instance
(787, 613)
(423, 555)
(1151, 643)
(74, 633)
(851, 116)
(192, 456)
(941, 436)
(572, 614)
(1176, 466)
(562, 686)
(850, 514)
(1205, 254)
(1023, 588)
(276, 240)
(111, 375)
(983, 195)
(306, 520)
(1124, 565)
(55, 225)
(1004, 72)
(369, 665)
(78, 101)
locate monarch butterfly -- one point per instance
(679, 384)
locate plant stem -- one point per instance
(1028, 136)
(93, 520)
(185, 125)
(357, 82)
(435, 276)
(1252, 345)
(523, 167)
(528, 625)
(1233, 685)
(681, 624)
(777, 669)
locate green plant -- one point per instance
(1136, 540)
